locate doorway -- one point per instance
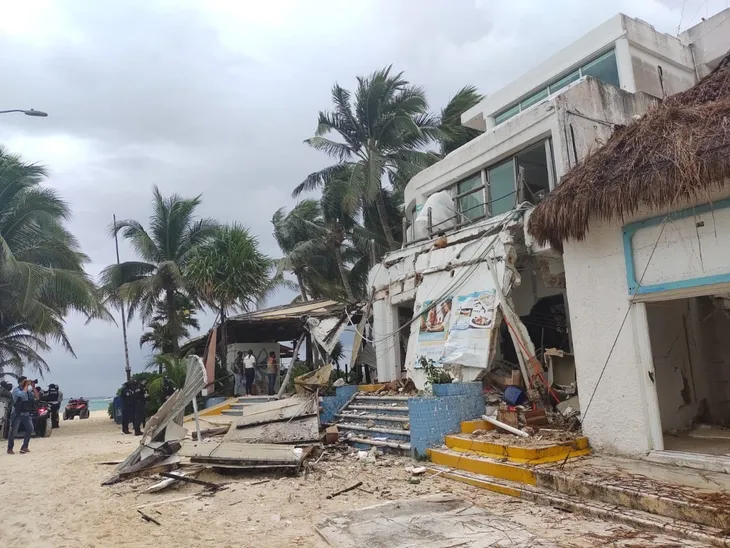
(690, 345)
(405, 315)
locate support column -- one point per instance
(387, 346)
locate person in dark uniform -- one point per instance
(140, 407)
(53, 396)
(127, 396)
(168, 389)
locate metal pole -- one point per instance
(127, 367)
(195, 415)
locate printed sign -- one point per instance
(433, 331)
(469, 337)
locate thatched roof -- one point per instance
(678, 151)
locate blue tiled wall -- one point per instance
(431, 419)
(330, 405)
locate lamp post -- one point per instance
(31, 112)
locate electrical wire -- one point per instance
(623, 322)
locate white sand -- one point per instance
(53, 497)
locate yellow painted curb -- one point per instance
(517, 454)
(472, 463)
(477, 482)
(468, 427)
(370, 387)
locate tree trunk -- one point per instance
(383, 214)
(302, 290)
(224, 339)
(343, 273)
(172, 322)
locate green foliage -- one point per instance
(159, 335)
(42, 275)
(453, 133)
(158, 278)
(435, 373)
(299, 368)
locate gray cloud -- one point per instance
(216, 99)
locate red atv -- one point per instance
(78, 407)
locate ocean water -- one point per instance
(95, 404)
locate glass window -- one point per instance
(471, 206)
(564, 81)
(532, 164)
(507, 114)
(539, 96)
(502, 195)
(604, 68)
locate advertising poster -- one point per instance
(433, 331)
(470, 333)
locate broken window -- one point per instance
(534, 172)
(604, 68)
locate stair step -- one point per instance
(381, 443)
(376, 429)
(233, 412)
(385, 418)
(602, 510)
(539, 454)
(471, 462)
(359, 397)
(399, 408)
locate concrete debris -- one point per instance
(339, 382)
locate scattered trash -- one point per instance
(345, 490)
(148, 518)
(339, 382)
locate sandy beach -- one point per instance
(53, 497)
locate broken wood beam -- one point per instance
(206, 484)
(148, 518)
(217, 431)
(345, 490)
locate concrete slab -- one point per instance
(437, 522)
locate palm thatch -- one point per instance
(678, 151)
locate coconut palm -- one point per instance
(229, 272)
(164, 252)
(452, 133)
(383, 133)
(42, 274)
(158, 334)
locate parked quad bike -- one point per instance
(41, 417)
(76, 407)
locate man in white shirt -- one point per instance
(249, 363)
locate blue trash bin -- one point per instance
(117, 406)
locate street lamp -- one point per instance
(30, 112)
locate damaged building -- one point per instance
(472, 288)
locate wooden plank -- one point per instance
(299, 430)
(279, 410)
(240, 453)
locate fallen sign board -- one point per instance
(298, 430)
(429, 521)
(278, 410)
(243, 455)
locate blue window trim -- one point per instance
(628, 236)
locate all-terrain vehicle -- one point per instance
(76, 407)
(41, 417)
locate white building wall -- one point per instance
(618, 419)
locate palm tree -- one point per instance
(42, 275)
(383, 134)
(229, 272)
(158, 336)
(164, 252)
(452, 133)
(314, 269)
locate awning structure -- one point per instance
(281, 323)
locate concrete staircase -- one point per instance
(236, 409)
(376, 421)
(683, 502)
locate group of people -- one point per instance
(244, 371)
(22, 401)
(134, 405)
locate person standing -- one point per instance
(23, 405)
(238, 374)
(272, 371)
(140, 407)
(249, 366)
(127, 396)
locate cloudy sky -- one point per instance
(216, 96)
